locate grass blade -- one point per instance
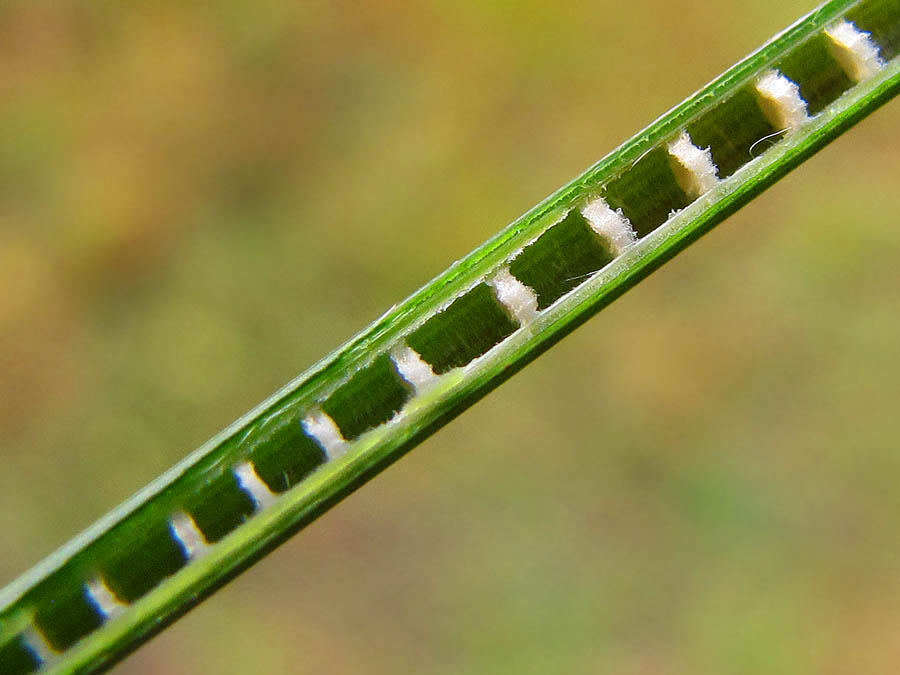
(449, 344)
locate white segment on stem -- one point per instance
(104, 600)
(781, 101)
(854, 50)
(611, 225)
(693, 167)
(38, 645)
(413, 368)
(518, 299)
(326, 433)
(250, 482)
(189, 537)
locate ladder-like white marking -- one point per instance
(250, 482)
(611, 225)
(781, 101)
(37, 644)
(326, 433)
(519, 300)
(104, 600)
(188, 536)
(693, 167)
(854, 50)
(413, 368)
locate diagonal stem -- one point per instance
(363, 406)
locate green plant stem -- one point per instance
(380, 416)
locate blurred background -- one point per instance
(198, 201)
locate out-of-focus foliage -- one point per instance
(199, 200)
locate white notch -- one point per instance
(613, 226)
(413, 368)
(519, 300)
(854, 50)
(188, 536)
(693, 167)
(781, 102)
(326, 433)
(104, 600)
(250, 482)
(37, 644)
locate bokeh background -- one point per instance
(198, 200)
